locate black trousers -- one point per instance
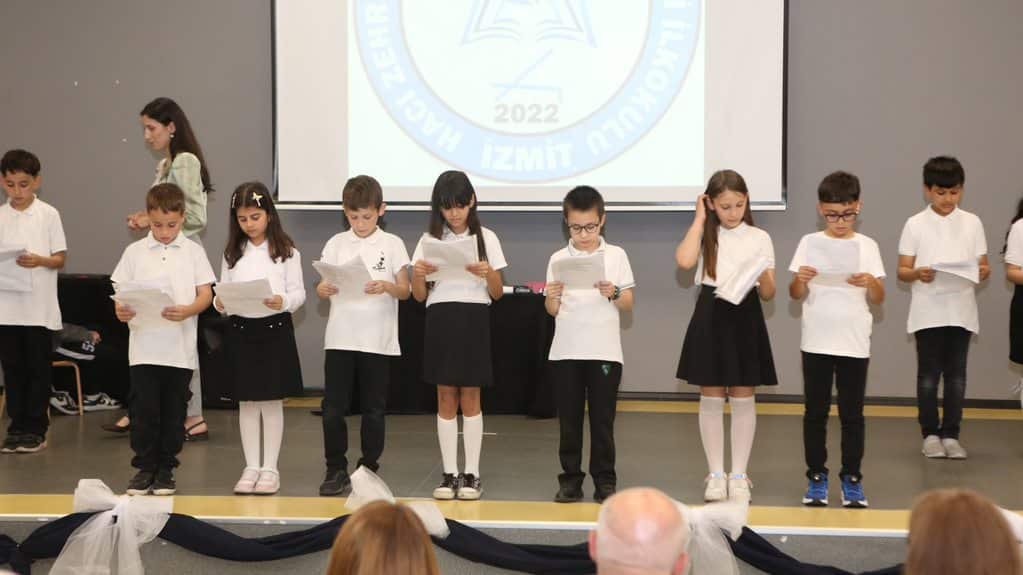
(371, 374)
(159, 400)
(25, 355)
(576, 383)
(941, 351)
(849, 376)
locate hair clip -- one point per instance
(257, 198)
(234, 199)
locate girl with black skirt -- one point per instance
(726, 350)
(1013, 251)
(456, 355)
(261, 347)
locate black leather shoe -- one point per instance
(602, 492)
(335, 482)
(569, 494)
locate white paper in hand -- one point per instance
(835, 260)
(148, 305)
(245, 298)
(350, 278)
(734, 289)
(12, 276)
(955, 277)
(451, 257)
(579, 272)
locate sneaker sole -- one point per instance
(106, 407)
(66, 410)
(444, 496)
(854, 504)
(23, 449)
(137, 491)
(164, 491)
(75, 354)
(816, 502)
(472, 496)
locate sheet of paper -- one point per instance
(451, 258)
(734, 289)
(12, 276)
(968, 270)
(350, 278)
(830, 256)
(579, 272)
(245, 298)
(148, 305)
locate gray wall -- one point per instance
(874, 87)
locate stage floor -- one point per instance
(658, 445)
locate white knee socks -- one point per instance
(248, 424)
(272, 415)
(712, 432)
(744, 427)
(472, 439)
(447, 436)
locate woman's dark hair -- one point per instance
(454, 190)
(165, 111)
(722, 181)
(1017, 217)
(255, 195)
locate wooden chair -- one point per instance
(78, 381)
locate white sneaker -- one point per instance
(63, 402)
(953, 450)
(739, 487)
(933, 448)
(100, 402)
(717, 487)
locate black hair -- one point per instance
(20, 161)
(165, 111)
(454, 190)
(839, 188)
(943, 172)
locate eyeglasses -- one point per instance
(846, 217)
(588, 228)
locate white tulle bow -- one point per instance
(367, 487)
(709, 551)
(123, 526)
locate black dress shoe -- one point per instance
(114, 428)
(602, 492)
(335, 482)
(569, 494)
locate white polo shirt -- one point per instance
(181, 264)
(39, 229)
(468, 290)
(285, 276)
(368, 324)
(934, 239)
(1014, 245)
(736, 246)
(837, 319)
(587, 325)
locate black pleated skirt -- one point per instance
(727, 345)
(1016, 326)
(264, 358)
(457, 347)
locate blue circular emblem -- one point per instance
(527, 136)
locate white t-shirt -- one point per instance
(736, 247)
(837, 320)
(368, 324)
(587, 325)
(1014, 245)
(934, 239)
(469, 290)
(285, 276)
(182, 265)
(39, 230)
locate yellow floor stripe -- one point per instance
(792, 409)
(507, 513)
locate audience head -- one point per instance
(957, 531)
(383, 537)
(640, 531)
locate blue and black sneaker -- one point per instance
(852, 493)
(817, 491)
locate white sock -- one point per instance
(744, 427)
(273, 431)
(447, 435)
(472, 439)
(248, 424)
(712, 432)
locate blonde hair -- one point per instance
(380, 538)
(953, 531)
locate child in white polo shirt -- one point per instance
(836, 336)
(362, 331)
(586, 354)
(162, 358)
(29, 312)
(943, 308)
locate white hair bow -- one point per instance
(123, 526)
(367, 487)
(709, 551)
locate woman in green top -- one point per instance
(167, 131)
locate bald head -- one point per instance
(640, 530)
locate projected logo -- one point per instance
(527, 90)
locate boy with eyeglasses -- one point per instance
(835, 344)
(586, 354)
